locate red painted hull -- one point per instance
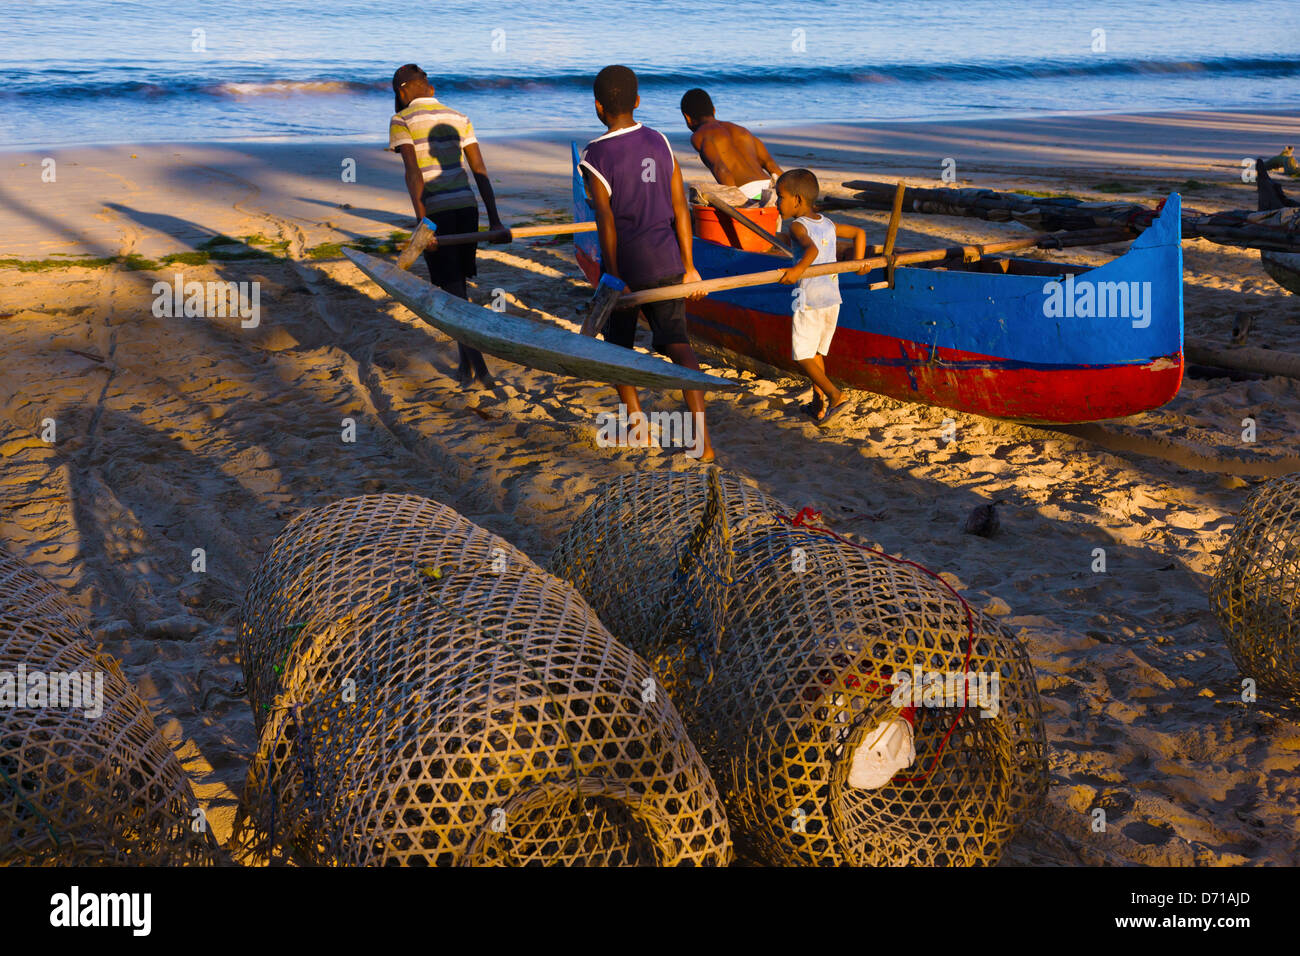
(909, 371)
(904, 370)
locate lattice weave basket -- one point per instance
(1256, 589)
(425, 694)
(652, 555)
(77, 789)
(804, 636)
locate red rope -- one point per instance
(805, 518)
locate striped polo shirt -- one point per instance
(439, 135)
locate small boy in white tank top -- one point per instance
(817, 302)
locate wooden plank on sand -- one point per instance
(1266, 361)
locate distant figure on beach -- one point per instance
(644, 227)
(734, 155)
(817, 302)
(433, 139)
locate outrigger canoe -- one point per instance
(1010, 338)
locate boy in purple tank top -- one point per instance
(644, 227)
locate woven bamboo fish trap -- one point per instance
(77, 789)
(804, 636)
(426, 695)
(642, 559)
(1256, 590)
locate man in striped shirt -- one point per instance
(432, 139)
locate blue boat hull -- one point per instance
(1051, 349)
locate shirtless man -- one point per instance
(734, 155)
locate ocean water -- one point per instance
(104, 71)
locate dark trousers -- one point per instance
(449, 268)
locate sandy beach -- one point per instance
(173, 434)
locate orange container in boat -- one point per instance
(712, 225)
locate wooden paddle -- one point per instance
(965, 253)
(425, 237)
(512, 233)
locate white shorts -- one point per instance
(812, 331)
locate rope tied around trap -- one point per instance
(805, 519)
(799, 687)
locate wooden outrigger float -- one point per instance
(515, 339)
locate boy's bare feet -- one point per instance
(465, 367)
(471, 371)
(833, 411)
(705, 456)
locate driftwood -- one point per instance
(1266, 361)
(1246, 228)
(1282, 267)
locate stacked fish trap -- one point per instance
(85, 776)
(1256, 590)
(426, 695)
(652, 555)
(801, 665)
